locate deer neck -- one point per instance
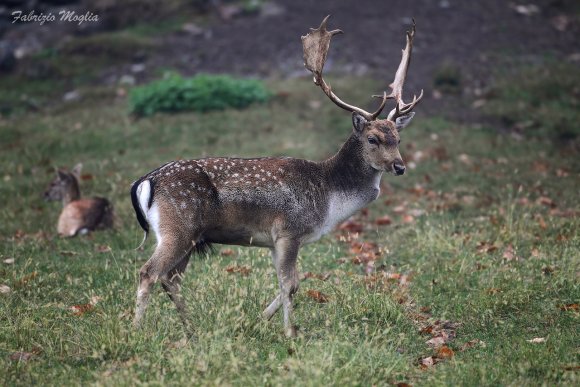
(350, 174)
(73, 193)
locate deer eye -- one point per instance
(373, 141)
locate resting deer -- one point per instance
(278, 203)
(78, 216)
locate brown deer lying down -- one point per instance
(278, 203)
(78, 216)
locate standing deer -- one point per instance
(278, 203)
(78, 216)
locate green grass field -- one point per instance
(473, 282)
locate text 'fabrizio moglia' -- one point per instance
(63, 16)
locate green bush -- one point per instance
(201, 93)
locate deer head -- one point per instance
(379, 137)
(65, 185)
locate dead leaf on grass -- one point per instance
(471, 344)
(322, 277)
(569, 307)
(24, 356)
(317, 296)
(227, 252)
(427, 362)
(102, 248)
(243, 270)
(383, 221)
(436, 342)
(5, 289)
(546, 201)
(537, 340)
(444, 352)
(351, 226)
(486, 247)
(509, 254)
(24, 280)
(79, 310)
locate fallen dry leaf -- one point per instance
(546, 201)
(317, 296)
(227, 252)
(537, 340)
(79, 310)
(427, 362)
(383, 221)
(322, 277)
(568, 307)
(445, 352)
(87, 176)
(102, 248)
(351, 226)
(399, 209)
(5, 289)
(243, 270)
(436, 342)
(408, 218)
(471, 344)
(24, 356)
(486, 247)
(541, 222)
(509, 254)
(24, 280)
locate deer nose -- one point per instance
(399, 168)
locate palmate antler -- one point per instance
(316, 44)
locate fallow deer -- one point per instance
(78, 216)
(278, 203)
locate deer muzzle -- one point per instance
(399, 167)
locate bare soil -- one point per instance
(480, 39)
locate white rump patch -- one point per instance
(143, 194)
(153, 219)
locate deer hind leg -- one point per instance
(168, 255)
(171, 283)
(275, 305)
(287, 254)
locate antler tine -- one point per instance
(315, 45)
(399, 81)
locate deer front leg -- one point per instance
(286, 257)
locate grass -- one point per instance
(484, 234)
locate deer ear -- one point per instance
(403, 121)
(76, 171)
(358, 122)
